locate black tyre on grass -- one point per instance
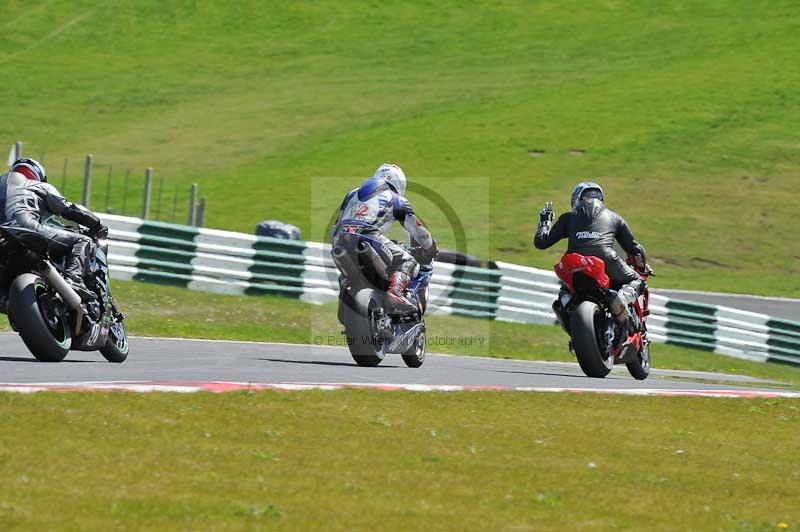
(587, 332)
(45, 333)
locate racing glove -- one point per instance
(428, 255)
(100, 233)
(546, 215)
(83, 216)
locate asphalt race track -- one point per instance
(155, 360)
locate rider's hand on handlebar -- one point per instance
(100, 233)
(431, 254)
(425, 256)
(547, 215)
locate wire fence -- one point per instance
(114, 189)
(117, 190)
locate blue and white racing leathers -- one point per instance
(370, 210)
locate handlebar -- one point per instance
(99, 235)
(418, 252)
(647, 271)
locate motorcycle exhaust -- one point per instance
(66, 292)
(344, 260)
(374, 258)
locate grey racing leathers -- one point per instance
(28, 203)
(592, 229)
(370, 210)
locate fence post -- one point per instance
(64, 178)
(125, 192)
(193, 205)
(87, 180)
(148, 186)
(158, 197)
(108, 186)
(201, 212)
(174, 204)
(18, 150)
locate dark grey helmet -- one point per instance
(587, 199)
(585, 186)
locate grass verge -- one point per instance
(386, 461)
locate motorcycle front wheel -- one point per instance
(45, 332)
(587, 331)
(415, 355)
(640, 368)
(116, 348)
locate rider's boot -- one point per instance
(629, 324)
(76, 283)
(619, 307)
(631, 342)
(74, 268)
(398, 285)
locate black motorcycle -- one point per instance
(47, 312)
(372, 325)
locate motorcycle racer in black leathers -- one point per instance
(592, 229)
(28, 200)
(371, 209)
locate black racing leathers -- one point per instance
(592, 229)
(29, 203)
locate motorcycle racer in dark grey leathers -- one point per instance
(592, 229)
(28, 200)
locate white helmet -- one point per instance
(392, 174)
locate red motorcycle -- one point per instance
(597, 339)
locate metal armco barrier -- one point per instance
(237, 263)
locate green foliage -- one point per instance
(687, 113)
(359, 460)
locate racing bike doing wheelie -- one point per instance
(373, 326)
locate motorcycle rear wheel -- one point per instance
(586, 330)
(360, 324)
(46, 334)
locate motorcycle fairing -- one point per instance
(573, 263)
(29, 238)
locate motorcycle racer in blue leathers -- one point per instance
(371, 209)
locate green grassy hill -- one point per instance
(688, 114)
